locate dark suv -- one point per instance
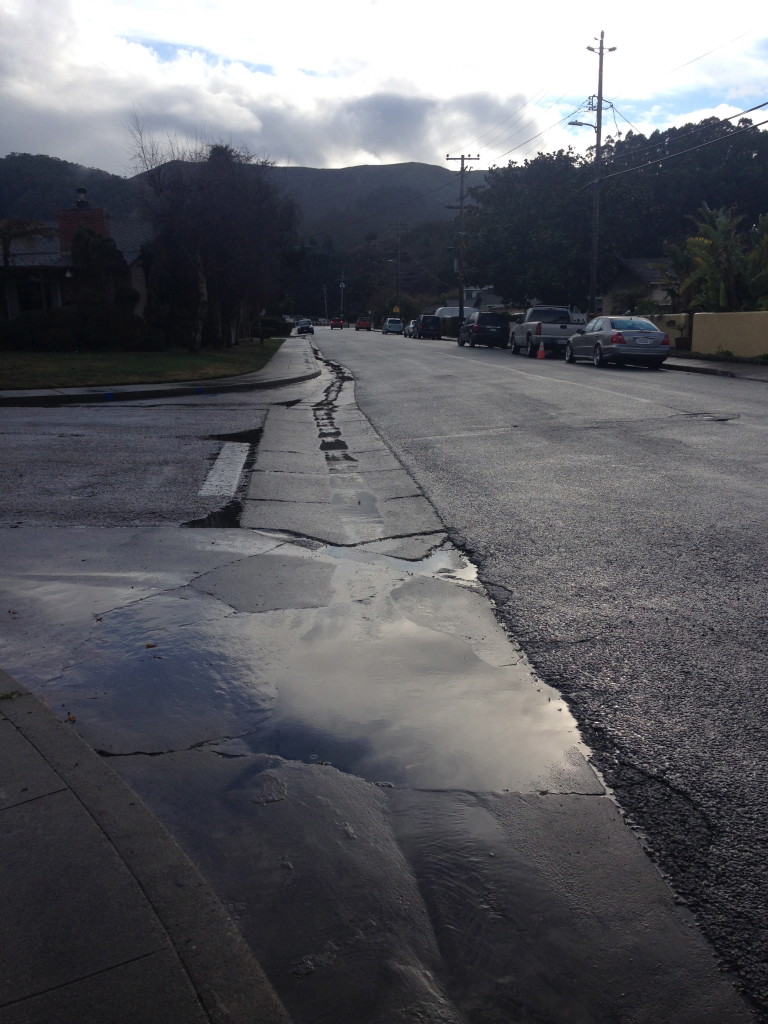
(491, 329)
(428, 326)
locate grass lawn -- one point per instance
(85, 369)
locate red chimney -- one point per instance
(81, 216)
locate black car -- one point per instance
(305, 327)
(491, 329)
(428, 326)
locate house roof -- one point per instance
(128, 236)
(650, 271)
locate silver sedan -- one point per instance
(619, 340)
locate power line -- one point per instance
(694, 131)
(683, 152)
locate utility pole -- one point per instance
(598, 167)
(342, 286)
(460, 248)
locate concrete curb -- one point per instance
(222, 969)
(285, 367)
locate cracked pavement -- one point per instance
(324, 710)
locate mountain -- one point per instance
(348, 204)
(345, 205)
(37, 187)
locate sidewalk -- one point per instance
(717, 368)
(104, 920)
(293, 362)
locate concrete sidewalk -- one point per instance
(104, 919)
(718, 368)
(293, 362)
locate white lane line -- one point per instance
(225, 474)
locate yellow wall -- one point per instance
(673, 324)
(741, 334)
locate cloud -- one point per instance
(334, 84)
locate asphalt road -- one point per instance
(619, 519)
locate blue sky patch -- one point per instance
(167, 53)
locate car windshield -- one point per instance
(630, 324)
(497, 319)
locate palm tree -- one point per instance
(718, 278)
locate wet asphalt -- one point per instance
(322, 707)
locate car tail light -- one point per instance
(475, 328)
(664, 340)
(538, 329)
(618, 339)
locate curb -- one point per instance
(276, 374)
(45, 398)
(221, 967)
(713, 371)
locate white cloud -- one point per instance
(378, 81)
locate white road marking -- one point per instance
(225, 474)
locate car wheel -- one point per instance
(461, 341)
(515, 347)
(597, 357)
(472, 342)
(569, 356)
(504, 344)
(530, 347)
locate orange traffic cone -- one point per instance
(541, 354)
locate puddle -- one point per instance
(445, 562)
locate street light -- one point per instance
(600, 50)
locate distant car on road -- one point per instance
(305, 327)
(336, 321)
(363, 323)
(392, 325)
(619, 340)
(410, 329)
(429, 326)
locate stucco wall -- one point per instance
(742, 334)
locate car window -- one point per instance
(592, 326)
(552, 316)
(493, 319)
(631, 324)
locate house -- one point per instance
(41, 273)
(639, 280)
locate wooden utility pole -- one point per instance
(600, 50)
(460, 247)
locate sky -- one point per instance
(347, 82)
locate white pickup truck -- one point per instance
(552, 325)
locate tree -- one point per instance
(756, 263)
(718, 277)
(529, 234)
(221, 233)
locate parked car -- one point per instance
(336, 321)
(429, 326)
(550, 326)
(392, 325)
(410, 329)
(491, 329)
(363, 323)
(619, 340)
(305, 327)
